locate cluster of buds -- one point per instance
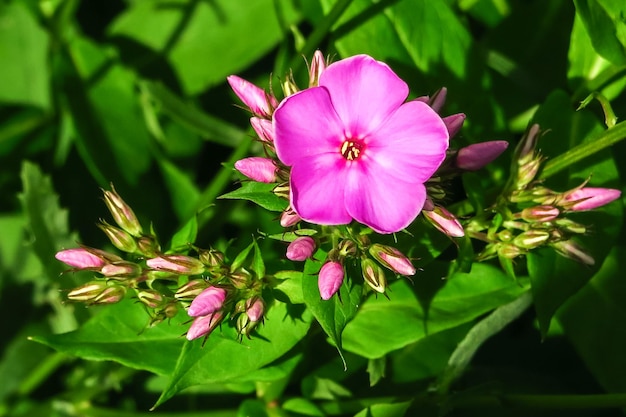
(530, 215)
(211, 291)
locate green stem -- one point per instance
(606, 139)
(44, 369)
(320, 31)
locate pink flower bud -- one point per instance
(80, 258)
(258, 101)
(207, 302)
(263, 128)
(122, 213)
(444, 221)
(541, 213)
(318, 65)
(392, 259)
(121, 269)
(255, 308)
(330, 279)
(289, 218)
(454, 123)
(257, 169)
(110, 295)
(301, 249)
(177, 264)
(476, 156)
(573, 250)
(438, 99)
(204, 325)
(589, 198)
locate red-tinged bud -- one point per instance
(527, 172)
(257, 169)
(211, 258)
(177, 264)
(301, 249)
(207, 302)
(88, 291)
(122, 213)
(240, 279)
(110, 295)
(258, 101)
(118, 237)
(509, 250)
(263, 128)
(454, 123)
(318, 65)
(204, 325)
(255, 307)
(330, 278)
(80, 258)
(525, 151)
(540, 214)
(505, 235)
(589, 198)
(346, 248)
(392, 259)
(122, 269)
(148, 246)
(191, 289)
(244, 325)
(289, 218)
(373, 275)
(531, 239)
(572, 250)
(151, 298)
(438, 99)
(444, 221)
(571, 226)
(476, 156)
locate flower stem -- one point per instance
(607, 138)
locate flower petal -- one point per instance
(411, 144)
(380, 201)
(317, 189)
(306, 124)
(364, 92)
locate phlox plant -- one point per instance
(384, 224)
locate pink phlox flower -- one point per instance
(257, 168)
(207, 302)
(589, 198)
(263, 128)
(356, 149)
(330, 279)
(258, 101)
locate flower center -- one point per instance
(351, 149)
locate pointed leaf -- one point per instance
(259, 193)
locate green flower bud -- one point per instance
(373, 275)
(118, 237)
(122, 213)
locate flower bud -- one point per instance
(525, 151)
(121, 269)
(318, 65)
(571, 226)
(454, 123)
(148, 246)
(531, 239)
(373, 275)
(392, 259)
(204, 325)
(110, 295)
(151, 298)
(540, 214)
(589, 198)
(527, 172)
(572, 250)
(438, 99)
(258, 101)
(191, 289)
(255, 307)
(301, 249)
(177, 264)
(122, 213)
(211, 258)
(289, 218)
(509, 251)
(346, 248)
(330, 279)
(240, 279)
(207, 302)
(118, 237)
(80, 258)
(87, 292)
(257, 169)
(476, 156)
(263, 128)
(444, 221)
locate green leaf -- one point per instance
(385, 410)
(184, 193)
(118, 333)
(259, 193)
(604, 21)
(198, 38)
(302, 406)
(404, 319)
(376, 370)
(258, 266)
(289, 287)
(334, 314)
(24, 56)
(185, 235)
(223, 358)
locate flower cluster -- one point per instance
(529, 215)
(350, 148)
(205, 285)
